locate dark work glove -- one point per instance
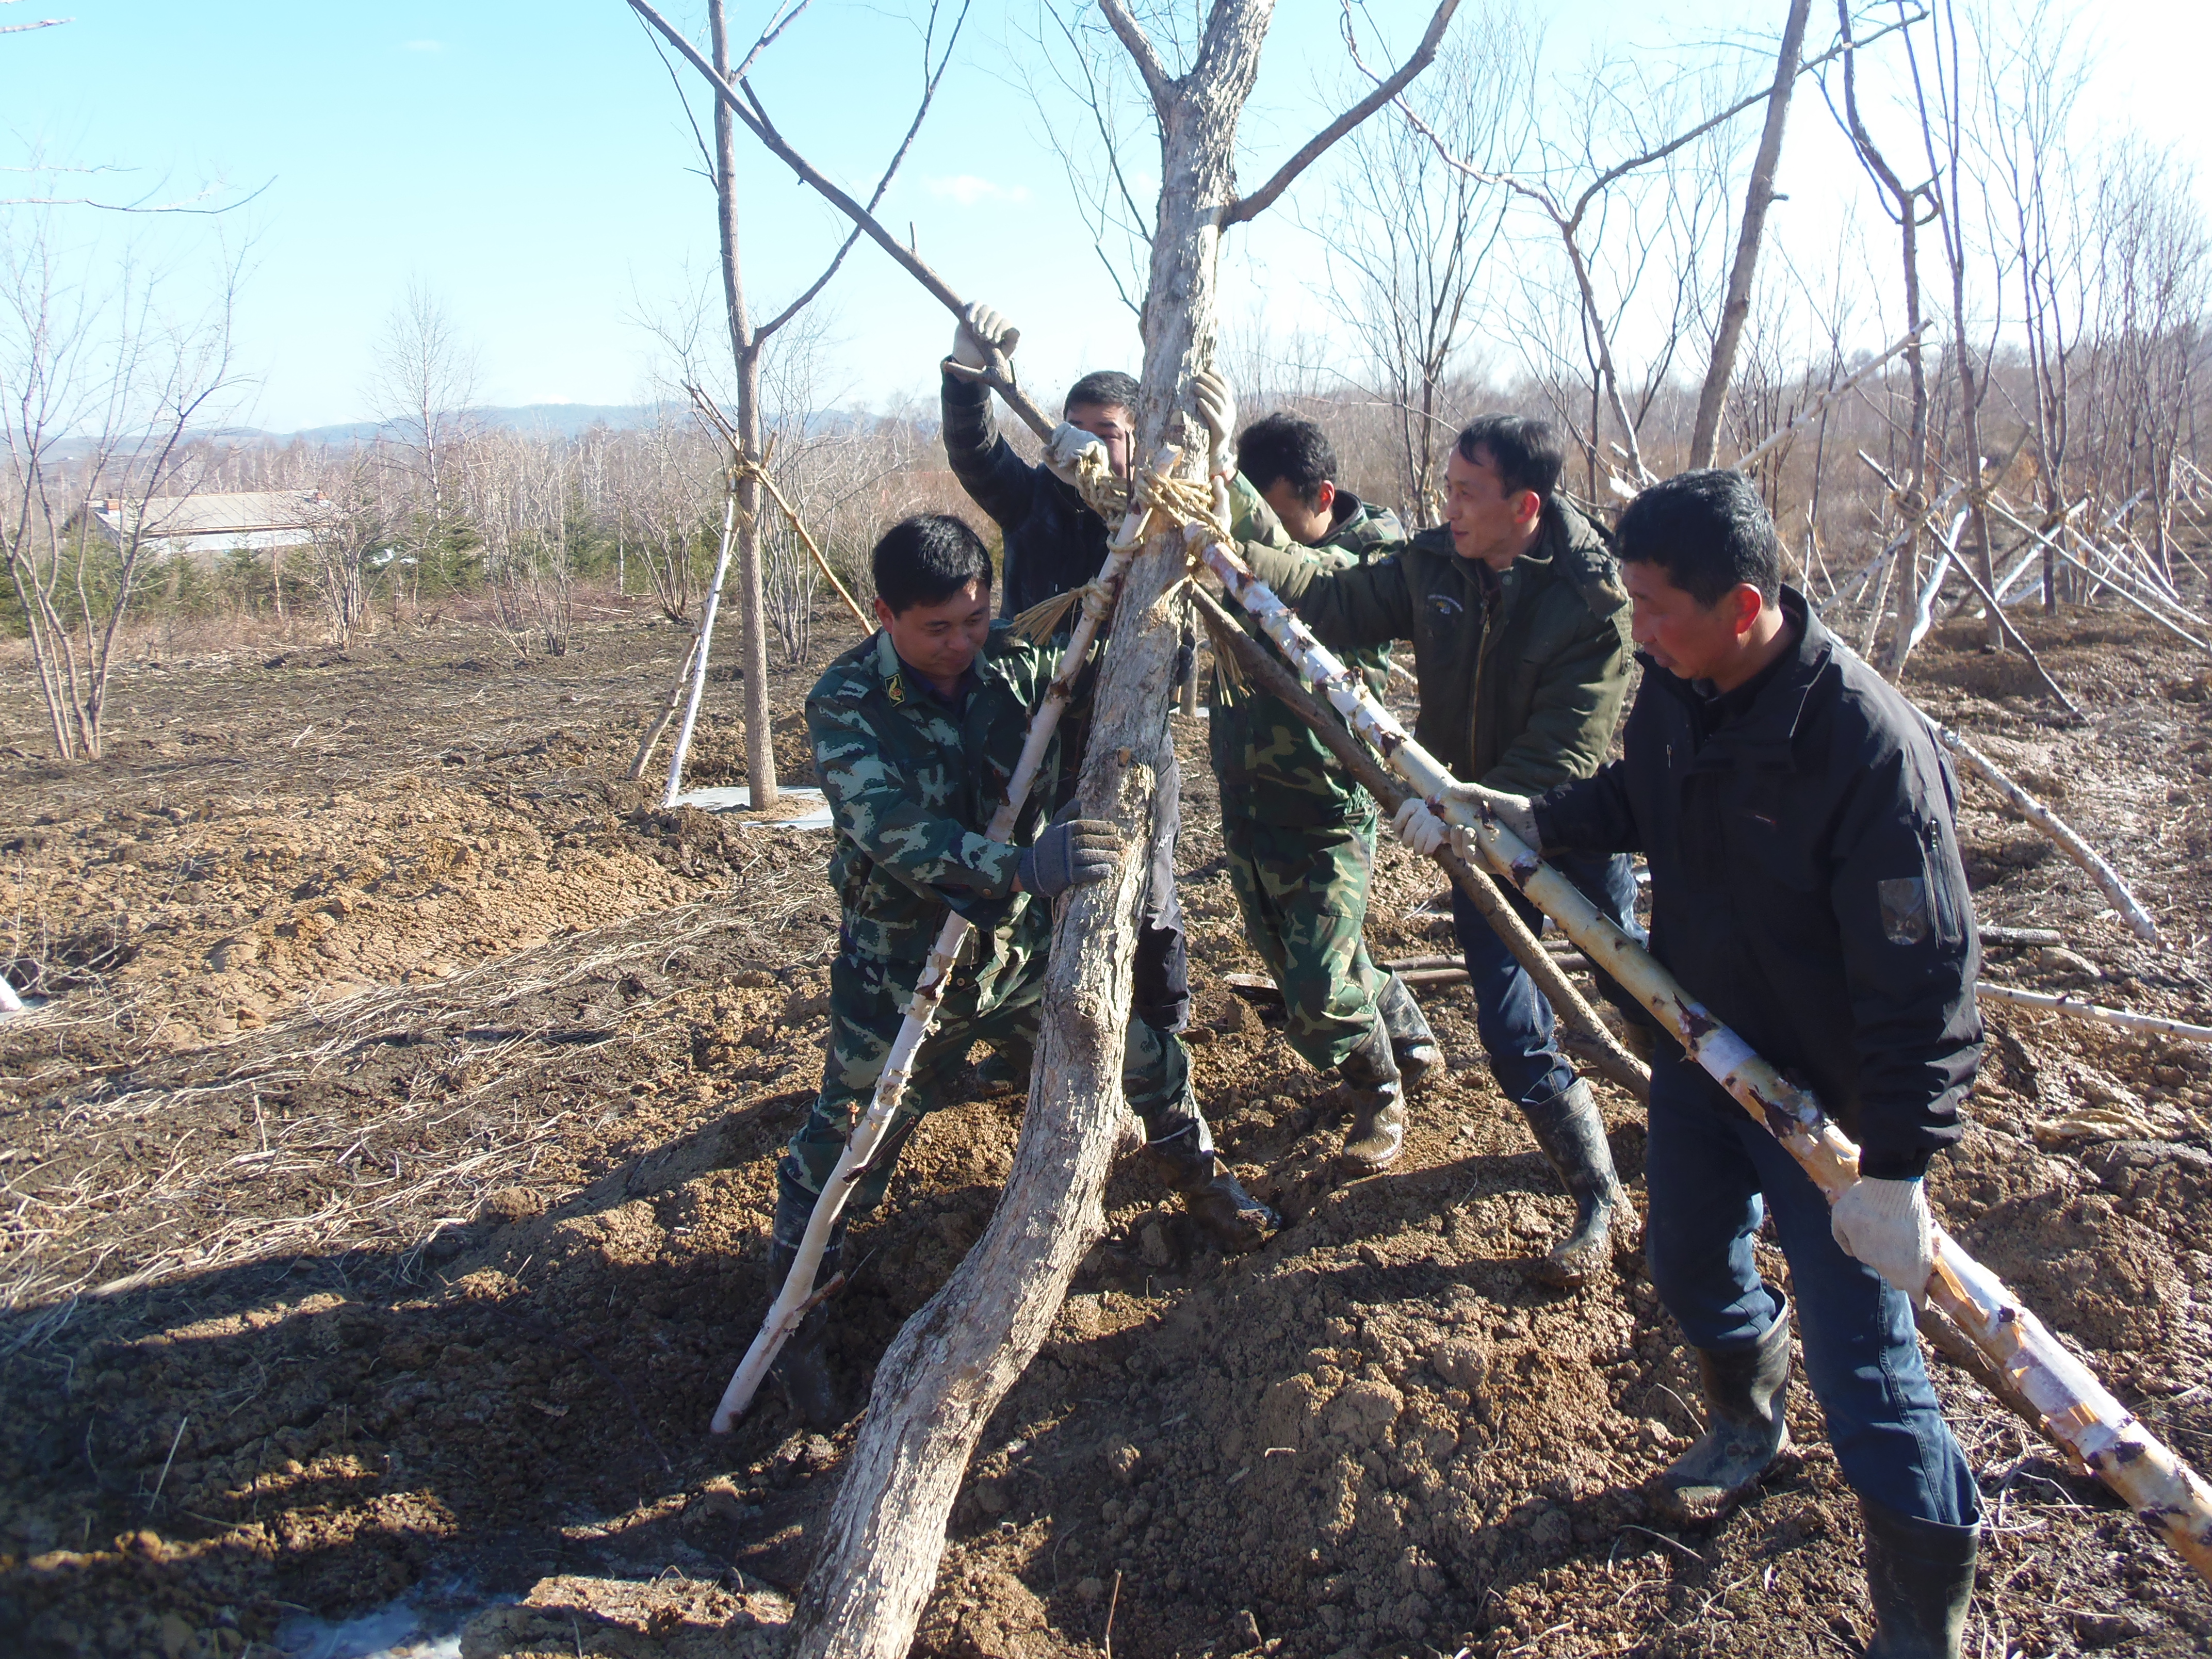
(1071, 853)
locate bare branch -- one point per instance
(184, 204)
(930, 80)
(1157, 82)
(776, 25)
(1260, 200)
(747, 110)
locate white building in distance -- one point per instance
(204, 527)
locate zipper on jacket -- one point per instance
(1481, 661)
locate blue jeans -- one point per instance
(1712, 1173)
(1511, 1014)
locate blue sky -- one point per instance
(528, 163)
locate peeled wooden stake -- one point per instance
(2075, 1008)
(2061, 834)
(2077, 1409)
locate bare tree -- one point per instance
(1946, 155)
(953, 1362)
(111, 376)
(749, 336)
(2032, 88)
(348, 544)
(1409, 240)
(1910, 207)
(667, 484)
(1759, 196)
(423, 388)
(2153, 268)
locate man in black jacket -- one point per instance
(1799, 822)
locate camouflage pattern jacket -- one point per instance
(1273, 768)
(912, 782)
(1522, 675)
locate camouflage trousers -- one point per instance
(867, 1004)
(1303, 892)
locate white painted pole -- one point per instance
(706, 644)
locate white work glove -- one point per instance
(1514, 813)
(1418, 827)
(979, 330)
(1216, 407)
(1886, 1224)
(1064, 448)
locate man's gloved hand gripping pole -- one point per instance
(1886, 1224)
(984, 343)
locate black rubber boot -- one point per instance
(803, 1365)
(1228, 1215)
(1377, 1132)
(1920, 1575)
(1413, 1044)
(1572, 1137)
(996, 1077)
(1744, 1391)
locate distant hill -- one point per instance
(567, 419)
(564, 420)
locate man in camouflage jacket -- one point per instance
(1301, 836)
(916, 731)
(1519, 631)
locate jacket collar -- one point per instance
(1555, 534)
(897, 682)
(1767, 734)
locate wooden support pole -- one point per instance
(2016, 639)
(1826, 401)
(2061, 834)
(669, 705)
(2075, 1008)
(706, 613)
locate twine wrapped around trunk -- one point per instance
(2101, 1433)
(792, 1300)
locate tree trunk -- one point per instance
(952, 1363)
(752, 641)
(745, 352)
(1704, 436)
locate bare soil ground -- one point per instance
(385, 1206)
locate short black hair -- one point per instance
(1103, 388)
(1708, 530)
(1281, 446)
(1525, 451)
(927, 559)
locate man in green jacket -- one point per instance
(916, 731)
(1519, 631)
(1301, 836)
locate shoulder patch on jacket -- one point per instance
(1594, 574)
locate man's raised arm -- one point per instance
(1361, 605)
